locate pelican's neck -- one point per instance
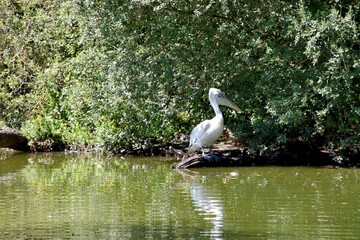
(216, 108)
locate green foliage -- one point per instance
(114, 73)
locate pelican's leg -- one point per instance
(212, 155)
(207, 157)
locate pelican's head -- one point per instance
(217, 96)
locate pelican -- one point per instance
(207, 132)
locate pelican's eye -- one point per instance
(220, 95)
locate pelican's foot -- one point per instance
(207, 157)
(211, 157)
(216, 157)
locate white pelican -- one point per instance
(207, 132)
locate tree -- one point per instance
(114, 73)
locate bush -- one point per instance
(115, 73)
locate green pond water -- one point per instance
(71, 196)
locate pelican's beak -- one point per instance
(227, 102)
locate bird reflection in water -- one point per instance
(207, 201)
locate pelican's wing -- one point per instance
(197, 133)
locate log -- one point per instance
(229, 156)
(10, 138)
(198, 161)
